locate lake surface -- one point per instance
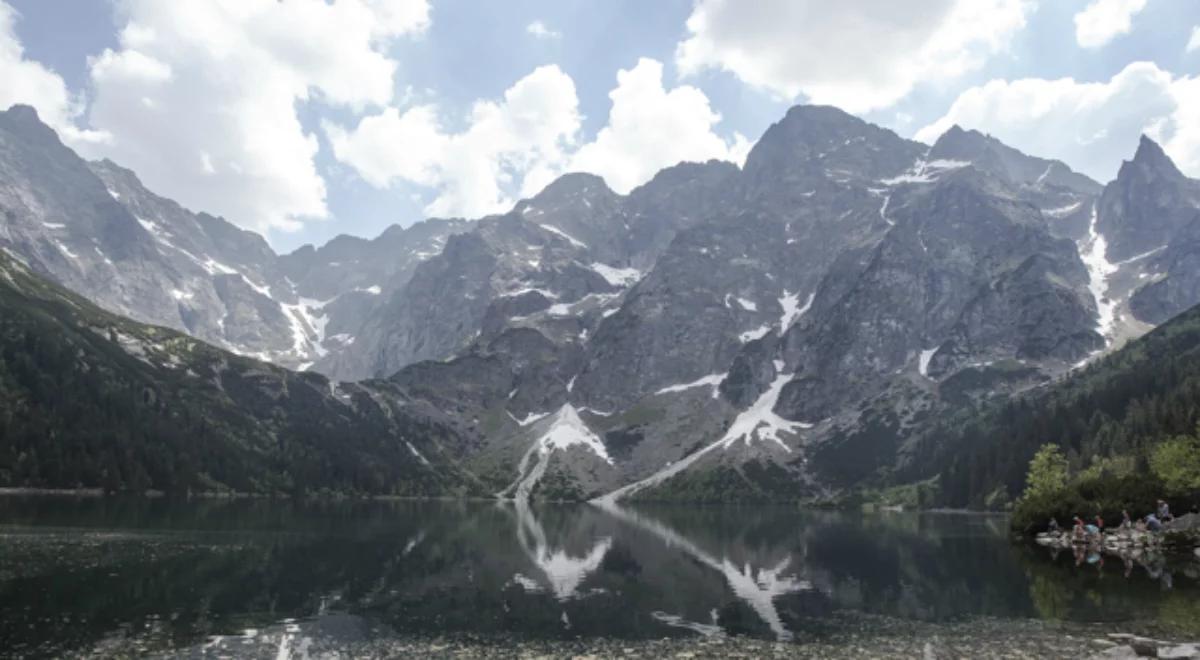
(88, 576)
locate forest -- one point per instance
(92, 400)
(1129, 417)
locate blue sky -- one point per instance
(303, 119)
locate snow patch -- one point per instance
(792, 309)
(760, 422)
(568, 430)
(1141, 256)
(54, 225)
(1094, 255)
(308, 328)
(713, 381)
(65, 250)
(215, 267)
(926, 357)
(925, 172)
(264, 291)
(571, 239)
(417, 454)
(748, 305)
(529, 419)
(1062, 211)
(154, 229)
(621, 277)
(757, 333)
(529, 289)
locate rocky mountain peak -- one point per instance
(573, 186)
(990, 154)
(822, 142)
(24, 118)
(1151, 160)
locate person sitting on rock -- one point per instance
(1078, 532)
(1053, 526)
(1099, 524)
(1126, 521)
(1164, 511)
(1153, 523)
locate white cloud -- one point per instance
(650, 127)
(1091, 126)
(859, 56)
(1193, 44)
(1102, 20)
(539, 30)
(520, 144)
(200, 96)
(507, 146)
(31, 83)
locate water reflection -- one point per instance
(136, 576)
(563, 572)
(758, 588)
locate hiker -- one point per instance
(1164, 511)
(1126, 521)
(1153, 523)
(1099, 524)
(1078, 532)
(1053, 526)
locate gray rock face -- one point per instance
(96, 229)
(1151, 217)
(559, 263)
(1147, 205)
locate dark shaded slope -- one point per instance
(90, 399)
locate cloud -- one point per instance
(539, 30)
(200, 97)
(650, 127)
(507, 146)
(1102, 20)
(1091, 126)
(859, 56)
(31, 83)
(514, 147)
(1193, 44)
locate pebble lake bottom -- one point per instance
(117, 577)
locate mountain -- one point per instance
(96, 229)
(1150, 217)
(90, 399)
(783, 330)
(805, 318)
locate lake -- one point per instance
(101, 576)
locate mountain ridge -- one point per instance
(787, 329)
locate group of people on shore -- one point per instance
(1085, 532)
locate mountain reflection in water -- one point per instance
(90, 575)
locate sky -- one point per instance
(305, 119)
